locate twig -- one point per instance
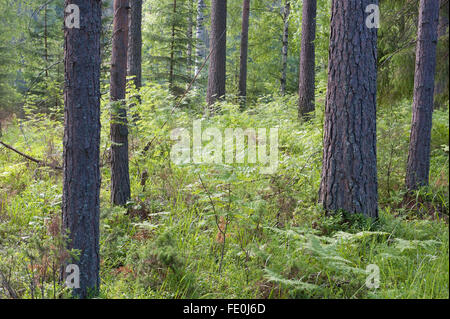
(8, 287)
(28, 157)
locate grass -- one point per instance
(225, 231)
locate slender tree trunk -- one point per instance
(45, 42)
(120, 178)
(200, 35)
(135, 42)
(349, 171)
(441, 83)
(172, 49)
(190, 39)
(218, 43)
(307, 59)
(244, 51)
(284, 50)
(418, 167)
(81, 185)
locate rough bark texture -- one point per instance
(307, 59)
(81, 185)
(200, 35)
(284, 50)
(349, 172)
(120, 178)
(218, 42)
(418, 167)
(135, 42)
(244, 50)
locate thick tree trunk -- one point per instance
(284, 50)
(418, 167)
(218, 43)
(200, 35)
(120, 178)
(349, 171)
(135, 42)
(307, 59)
(244, 50)
(81, 185)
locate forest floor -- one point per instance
(227, 230)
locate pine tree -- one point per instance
(418, 167)
(285, 47)
(349, 169)
(81, 185)
(135, 42)
(307, 59)
(218, 41)
(169, 58)
(120, 176)
(244, 50)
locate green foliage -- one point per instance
(166, 58)
(226, 231)
(221, 231)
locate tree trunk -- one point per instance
(172, 49)
(81, 185)
(349, 171)
(217, 63)
(120, 179)
(284, 50)
(135, 42)
(189, 36)
(200, 35)
(244, 51)
(418, 167)
(441, 81)
(45, 42)
(307, 59)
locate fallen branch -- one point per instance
(32, 159)
(7, 286)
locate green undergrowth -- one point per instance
(226, 230)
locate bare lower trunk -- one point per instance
(244, 50)
(189, 36)
(307, 59)
(418, 166)
(172, 50)
(217, 63)
(120, 178)
(349, 171)
(81, 185)
(284, 50)
(135, 42)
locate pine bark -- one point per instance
(244, 50)
(218, 43)
(135, 42)
(418, 167)
(120, 178)
(81, 181)
(285, 47)
(349, 171)
(307, 59)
